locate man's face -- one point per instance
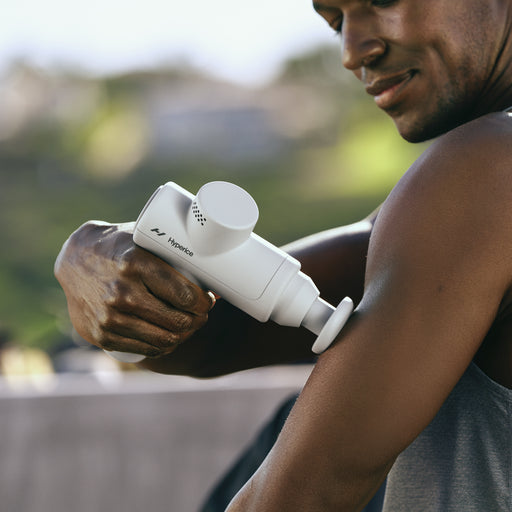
(429, 64)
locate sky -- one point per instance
(240, 40)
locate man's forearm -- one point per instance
(232, 341)
(315, 485)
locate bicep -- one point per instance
(335, 259)
(435, 277)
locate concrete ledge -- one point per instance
(129, 442)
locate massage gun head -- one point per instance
(221, 217)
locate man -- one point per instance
(418, 383)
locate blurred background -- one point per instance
(101, 102)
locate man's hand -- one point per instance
(121, 297)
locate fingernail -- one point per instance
(213, 298)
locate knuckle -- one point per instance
(108, 342)
(108, 322)
(118, 295)
(182, 322)
(186, 296)
(111, 294)
(153, 352)
(126, 301)
(91, 231)
(201, 320)
(127, 261)
(198, 322)
(173, 340)
(84, 230)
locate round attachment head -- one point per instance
(221, 217)
(334, 325)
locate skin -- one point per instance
(432, 270)
(453, 76)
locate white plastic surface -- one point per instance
(250, 275)
(333, 326)
(295, 301)
(222, 216)
(125, 357)
(317, 316)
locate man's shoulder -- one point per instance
(487, 138)
(472, 159)
(462, 182)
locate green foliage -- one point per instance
(56, 175)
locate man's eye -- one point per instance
(383, 3)
(337, 25)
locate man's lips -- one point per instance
(385, 90)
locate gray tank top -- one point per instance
(462, 462)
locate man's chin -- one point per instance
(416, 132)
(423, 127)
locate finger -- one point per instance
(138, 301)
(119, 343)
(167, 284)
(136, 328)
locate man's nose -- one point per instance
(361, 45)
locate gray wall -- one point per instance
(142, 442)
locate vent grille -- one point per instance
(197, 214)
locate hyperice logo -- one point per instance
(176, 245)
(173, 243)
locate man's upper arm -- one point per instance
(438, 266)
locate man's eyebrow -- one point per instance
(318, 6)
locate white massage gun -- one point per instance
(209, 239)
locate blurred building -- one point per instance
(168, 114)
